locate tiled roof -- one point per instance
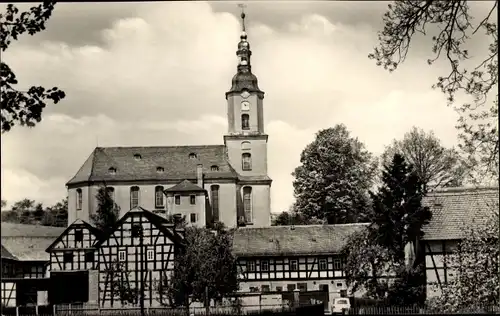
(6, 254)
(175, 161)
(296, 240)
(25, 230)
(185, 186)
(28, 248)
(455, 208)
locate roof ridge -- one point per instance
(466, 189)
(174, 146)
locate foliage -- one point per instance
(28, 211)
(435, 165)
(398, 215)
(409, 288)
(56, 215)
(4, 204)
(23, 107)
(204, 269)
(117, 277)
(334, 177)
(453, 26)
(107, 211)
(477, 282)
(294, 217)
(366, 263)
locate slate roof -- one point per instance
(173, 159)
(185, 186)
(455, 208)
(6, 254)
(299, 240)
(25, 230)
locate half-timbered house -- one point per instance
(285, 258)
(73, 264)
(453, 210)
(134, 258)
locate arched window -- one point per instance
(79, 199)
(245, 122)
(246, 161)
(214, 194)
(247, 204)
(111, 192)
(159, 201)
(245, 146)
(134, 197)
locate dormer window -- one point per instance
(137, 157)
(192, 156)
(160, 169)
(112, 170)
(214, 168)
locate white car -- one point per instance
(341, 305)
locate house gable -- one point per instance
(79, 234)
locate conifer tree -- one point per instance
(107, 211)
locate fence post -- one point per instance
(296, 298)
(17, 310)
(36, 309)
(54, 309)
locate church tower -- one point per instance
(246, 141)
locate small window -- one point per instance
(192, 199)
(192, 156)
(160, 170)
(68, 257)
(264, 265)
(339, 284)
(337, 264)
(265, 288)
(279, 289)
(78, 235)
(245, 122)
(112, 170)
(246, 162)
(193, 218)
(89, 256)
(137, 157)
(293, 265)
(121, 255)
(79, 199)
(214, 168)
(250, 266)
(322, 264)
(150, 254)
(177, 200)
(136, 230)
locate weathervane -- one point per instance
(242, 6)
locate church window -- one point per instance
(192, 199)
(247, 204)
(193, 217)
(177, 200)
(192, 156)
(79, 199)
(214, 193)
(214, 168)
(137, 157)
(246, 161)
(111, 192)
(160, 169)
(112, 170)
(245, 122)
(159, 201)
(134, 197)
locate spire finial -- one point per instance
(242, 6)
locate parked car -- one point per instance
(341, 305)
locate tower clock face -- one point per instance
(245, 94)
(245, 106)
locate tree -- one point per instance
(434, 165)
(205, 269)
(56, 215)
(118, 278)
(23, 107)
(294, 218)
(107, 211)
(23, 209)
(334, 177)
(453, 26)
(476, 284)
(4, 204)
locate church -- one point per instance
(205, 184)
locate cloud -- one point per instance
(156, 74)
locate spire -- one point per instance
(244, 79)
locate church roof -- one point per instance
(185, 186)
(154, 163)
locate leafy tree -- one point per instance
(23, 107)
(4, 204)
(398, 215)
(476, 284)
(451, 26)
(118, 278)
(204, 270)
(434, 165)
(107, 211)
(294, 218)
(334, 177)
(56, 215)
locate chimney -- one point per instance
(199, 175)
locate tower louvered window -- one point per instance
(246, 161)
(245, 122)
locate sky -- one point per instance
(139, 74)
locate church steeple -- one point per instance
(244, 79)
